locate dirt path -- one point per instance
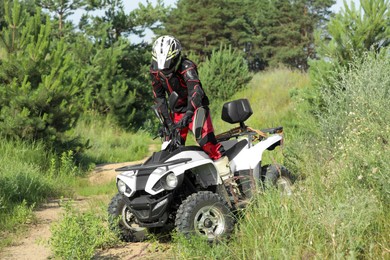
(33, 245)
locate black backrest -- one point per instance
(236, 111)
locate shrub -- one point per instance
(39, 80)
(224, 73)
(356, 122)
(78, 235)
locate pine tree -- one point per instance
(61, 9)
(224, 73)
(351, 36)
(200, 26)
(117, 70)
(289, 31)
(354, 31)
(39, 82)
(269, 32)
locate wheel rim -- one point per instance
(284, 185)
(209, 221)
(129, 220)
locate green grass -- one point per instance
(79, 234)
(109, 143)
(269, 96)
(31, 173)
(85, 188)
(340, 207)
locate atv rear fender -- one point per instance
(250, 157)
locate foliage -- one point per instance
(117, 70)
(339, 206)
(117, 23)
(117, 80)
(78, 235)
(199, 25)
(62, 9)
(224, 73)
(39, 81)
(354, 31)
(288, 31)
(360, 100)
(30, 174)
(350, 34)
(270, 32)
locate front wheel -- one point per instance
(278, 176)
(123, 221)
(205, 214)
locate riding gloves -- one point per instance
(186, 120)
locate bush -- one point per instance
(78, 235)
(356, 122)
(224, 73)
(39, 81)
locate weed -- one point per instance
(78, 235)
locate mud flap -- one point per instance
(199, 120)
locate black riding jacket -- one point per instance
(185, 82)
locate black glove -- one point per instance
(186, 120)
(171, 126)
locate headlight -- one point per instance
(170, 181)
(121, 186)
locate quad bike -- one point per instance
(180, 186)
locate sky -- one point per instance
(130, 5)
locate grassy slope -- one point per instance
(339, 207)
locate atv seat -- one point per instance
(235, 149)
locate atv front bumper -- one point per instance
(150, 212)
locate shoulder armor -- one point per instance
(189, 70)
(186, 64)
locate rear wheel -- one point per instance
(123, 221)
(278, 176)
(205, 214)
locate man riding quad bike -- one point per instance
(181, 186)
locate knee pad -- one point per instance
(198, 123)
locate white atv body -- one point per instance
(181, 186)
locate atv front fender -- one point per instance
(204, 171)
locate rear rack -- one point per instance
(240, 131)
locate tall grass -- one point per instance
(269, 96)
(357, 124)
(31, 174)
(340, 207)
(108, 143)
(78, 234)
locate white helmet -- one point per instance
(166, 54)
